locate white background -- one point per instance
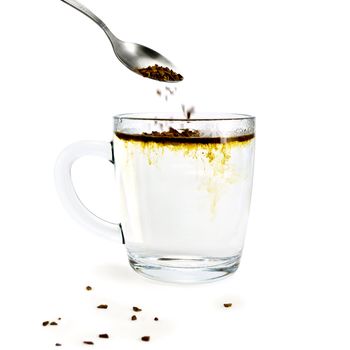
(287, 62)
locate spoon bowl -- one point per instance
(135, 56)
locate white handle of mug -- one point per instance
(68, 195)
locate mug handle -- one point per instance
(68, 195)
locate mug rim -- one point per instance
(225, 116)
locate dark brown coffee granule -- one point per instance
(160, 73)
(104, 335)
(133, 318)
(88, 288)
(53, 323)
(58, 344)
(156, 319)
(45, 323)
(59, 318)
(88, 342)
(228, 304)
(159, 93)
(102, 306)
(136, 309)
(146, 338)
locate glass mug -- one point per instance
(185, 191)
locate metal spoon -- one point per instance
(133, 56)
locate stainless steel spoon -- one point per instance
(133, 56)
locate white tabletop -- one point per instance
(288, 64)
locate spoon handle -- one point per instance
(78, 6)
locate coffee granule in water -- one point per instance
(102, 306)
(58, 344)
(88, 288)
(146, 338)
(174, 133)
(104, 335)
(45, 323)
(133, 318)
(228, 304)
(156, 319)
(136, 309)
(88, 342)
(182, 136)
(160, 73)
(53, 323)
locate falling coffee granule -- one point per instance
(159, 93)
(88, 342)
(58, 344)
(53, 323)
(105, 336)
(102, 306)
(160, 73)
(171, 92)
(146, 338)
(136, 309)
(45, 323)
(133, 318)
(156, 318)
(187, 111)
(88, 288)
(228, 305)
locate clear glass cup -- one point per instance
(185, 191)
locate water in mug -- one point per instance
(184, 202)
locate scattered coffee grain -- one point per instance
(88, 342)
(104, 335)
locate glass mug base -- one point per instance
(179, 269)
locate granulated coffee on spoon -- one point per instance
(160, 73)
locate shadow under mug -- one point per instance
(185, 192)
